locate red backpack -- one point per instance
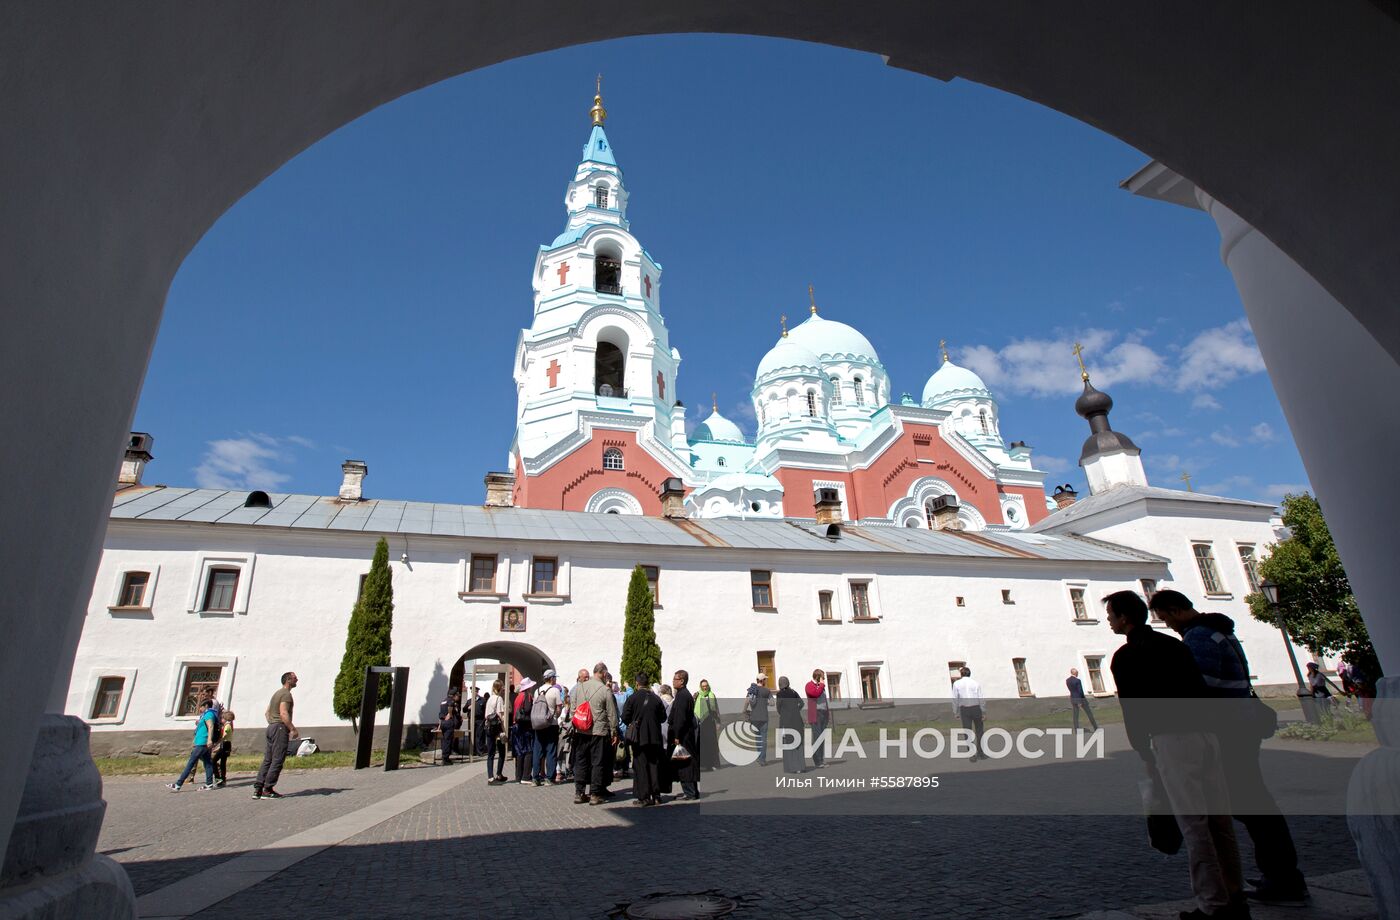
(583, 716)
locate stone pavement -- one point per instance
(465, 849)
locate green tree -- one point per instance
(367, 639)
(1315, 598)
(640, 653)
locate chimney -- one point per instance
(945, 513)
(1064, 496)
(500, 490)
(138, 454)
(352, 487)
(673, 498)
(828, 507)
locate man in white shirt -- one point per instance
(967, 705)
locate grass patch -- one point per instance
(145, 765)
(1343, 728)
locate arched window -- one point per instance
(982, 417)
(811, 404)
(600, 196)
(612, 459)
(723, 462)
(860, 391)
(836, 391)
(609, 364)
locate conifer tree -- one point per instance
(367, 638)
(640, 653)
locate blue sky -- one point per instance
(365, 300)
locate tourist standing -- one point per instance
(544, 719)
(224, 748)
(645, 717)
(756, 708)
(1158, 680)
(596, 731)
(624, 758)
(818, 716)
(449, 720)
(204, 731)
(790, 734)
(682, 734)
(707, 714)
(967, 706)
(280, 730)
(496, 734)
(522, 736)
(1077, 699)
(1317, 683)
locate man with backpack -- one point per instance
(595, 731)
(544, 719)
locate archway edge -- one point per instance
(524, 657)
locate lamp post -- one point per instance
(1305, 697)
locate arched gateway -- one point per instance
(522, 656)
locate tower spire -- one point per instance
(1079, 354)
(598, 113)
(714, 402)
(783, 320)
(812, 296)
(943, 347)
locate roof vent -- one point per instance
(944, 510)
(257, 499)
(352, 486)
(673, 498)
(1064, 496)
(134, 460)
(833, 531)
(828, 506)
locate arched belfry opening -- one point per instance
(610, 363)
(607, 267)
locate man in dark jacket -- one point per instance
(1160, 688)
(1211, 639)
(682, 732)
(644, 714)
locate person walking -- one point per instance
(790, 734)
(496, 734)
(205, 728)
(449, 720)
(967, 706)
(1317, 683)
(522, 736)
(223, 749)
(645, 717)
(1210, 637)
(595, 723)
(756, 708)
(280, 730)
(1158, 680)
(682, 732)
(544, 719)
(818, 716)
(707, 714)
(1077, 699)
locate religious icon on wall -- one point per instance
(512, 619)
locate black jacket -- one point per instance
(682, 728)
(1159, 684)
(644, 714)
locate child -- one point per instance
(223, 749)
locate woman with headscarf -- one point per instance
(645, 717)
(790, 726)
(707, 714)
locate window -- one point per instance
(761, 583)
(1149, 588)
(1006, 597)
(870, 684)
(811, 404)
(1094, 665)
(859, 386)
(833, 686)
(1076, 598)
(544, 573)
(107, 703)
(982, 417)
(600, 196)
(722, 462)
(1023, 680)
(960, 601)
(955, 671)
(607, 275)
(133, 593)
(1210, 575)
(860, 600)
(221, 590)
(1251, 566)
(836, 391)
(483, 576)
(199, 680)
(824, 605)
(612, 459)
(653, 574)
(767, 666)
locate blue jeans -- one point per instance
(200, 752)
(547, 749)
(762, 729)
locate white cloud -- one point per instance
(1150, 434)
(1274, 492)
(299, 441)
(1047, 367)
(1050, 464)
(1218, 356)
(240, 463)
(1225, 438)
(1206, 401)
(1262, 433)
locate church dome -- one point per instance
(718, 428)
(950, 381)
(788, 354)
(830, 339)
(1093, 401)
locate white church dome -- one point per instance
(830, 339)
(952, 381)
(788, 354)
(717, 428)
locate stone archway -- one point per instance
(524, 657)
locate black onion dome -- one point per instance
(1093, 401)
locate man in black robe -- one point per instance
(683, 738)
(644, 714)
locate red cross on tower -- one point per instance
(661, 384)
(553, 372)
(563, 273)
(646, 279)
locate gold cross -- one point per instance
(600, 84)
(714, 402)
(811, 295)
(783, 319)
(943, 347)
(1186, 478)
(1079, 354)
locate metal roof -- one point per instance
(311, 512)
(1123, 495)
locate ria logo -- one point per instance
(738, 743)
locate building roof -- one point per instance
(718, 428)
(786, 355)
(831, 339)
(953, 381)
(1119, 496)
(597, 150)
(313, 512)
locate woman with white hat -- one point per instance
(522, 736)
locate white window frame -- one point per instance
(872, 593)
(95, 676)
(835, 599)
(243, 562)
(181, 666)
(464, 578)
(562, 571)
(114, 602)
(1089, 619)
(1028, 693)
(1104, 671)
(883, 683)
(1224, 589)
(1244, 569)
